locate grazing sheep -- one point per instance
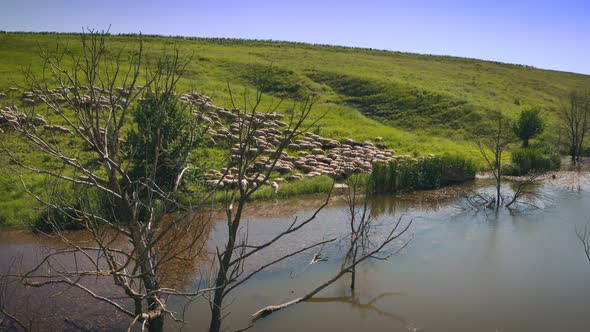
(275, 186)
(56, 128)
(244, 183)
(39, 120)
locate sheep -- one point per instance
(275, 186)
(244, 183)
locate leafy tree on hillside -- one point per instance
(528, 125)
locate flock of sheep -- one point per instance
(309, 155)
(11, 116)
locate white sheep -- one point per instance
(244, 183)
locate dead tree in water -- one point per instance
(361, 246)
(360, 225)
(491, 145)
(372, 253)
(520, 198)
(122, 195)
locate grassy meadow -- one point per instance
(419, 104)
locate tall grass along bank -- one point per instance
(406, 174)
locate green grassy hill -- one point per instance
(417, 103)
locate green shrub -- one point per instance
(52, 219)
(3, 220)
(64, 215)
(423, 173)
(510, 169)
(456, 169)
(174, 128)
(539, 157)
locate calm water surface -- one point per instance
(462, 271)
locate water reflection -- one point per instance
(355, 302)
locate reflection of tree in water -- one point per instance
(371, 306)
(573, 177)
(381, 205)
(179, 271)
(424, 200)
(576, 179)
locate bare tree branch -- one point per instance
(584, 237)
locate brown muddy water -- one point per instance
(462, 270)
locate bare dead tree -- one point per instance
(360, 225)
(520, 198)
(253, 163)
(491, 145)
(123, 194)
(574, 121)
(361, 246)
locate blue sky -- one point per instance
(544, 34)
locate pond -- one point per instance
(461, 271)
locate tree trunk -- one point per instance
(352, 279)
(220, 283)
(221, 280)
(498, 185)
(353, 272)
(498, 177)
(573, 158)
(146, 261)
(215, 325)
(156, 324)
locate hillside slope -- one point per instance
(418, 104)
(438, 95)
